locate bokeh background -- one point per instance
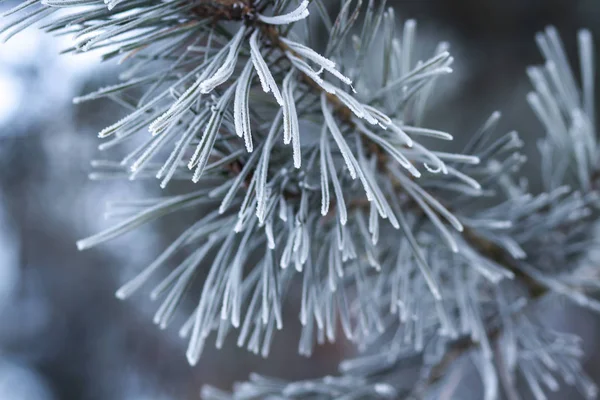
(63, 334)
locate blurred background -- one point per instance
(63, 334)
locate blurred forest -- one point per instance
(64, 335)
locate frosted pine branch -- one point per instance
(316, 175)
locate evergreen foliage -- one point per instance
(318, 168)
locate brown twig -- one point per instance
(224, 10)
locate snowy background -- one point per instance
(63, 334)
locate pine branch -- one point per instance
(381, 229)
